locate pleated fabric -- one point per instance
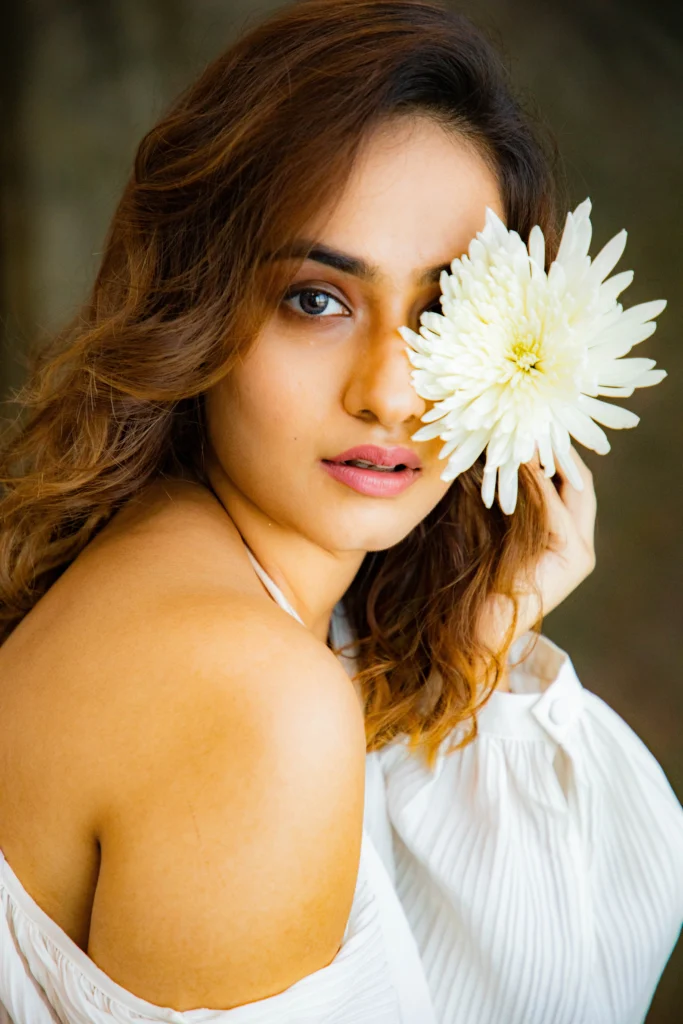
(541, 868)
(534, 877)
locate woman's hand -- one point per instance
(569, 559)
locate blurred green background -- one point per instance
(83, 79)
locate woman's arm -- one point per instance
(230, 832)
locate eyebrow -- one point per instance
(348, 264)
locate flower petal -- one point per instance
(583, 428)
(567, 239)
(611, 415)
(560, 437)
(613, 287)
(620, 340)
(583, 210)
(557, 278)
(428, 432)
(468, 453)
(524, 446)
(571, 469)
(537, 246)
(584, 233)
(623, 371)
(614, 392)
(499, 449)
(649, 378)
(508, 477)
(545, 453)
(488, 486)
(609, 256)
(643, 311)
(410, 336)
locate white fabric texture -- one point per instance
(535, 876)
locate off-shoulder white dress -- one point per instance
(535, 877)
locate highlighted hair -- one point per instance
(245, 158)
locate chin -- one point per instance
(379, 535)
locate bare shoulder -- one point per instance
(212, 746)
(234, 817)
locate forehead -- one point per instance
(415, 198)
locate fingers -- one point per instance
(569, 509)
(548, 485)
(582, 505)
(573, 499)
(560, 521)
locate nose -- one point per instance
(380, 387)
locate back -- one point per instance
(219, 748)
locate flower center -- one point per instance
(525, 352)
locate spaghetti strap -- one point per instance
(270, 585)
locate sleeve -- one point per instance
(547, 854)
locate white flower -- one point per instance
(518, 356)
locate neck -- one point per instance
(311, 578)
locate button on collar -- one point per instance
(561, 711)
(544, 678)
(559, 708)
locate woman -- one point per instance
(211, 809)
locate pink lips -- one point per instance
(380, 456)
(375, 482)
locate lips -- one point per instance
(378, 456)
(373, 482)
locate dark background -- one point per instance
(82, 80)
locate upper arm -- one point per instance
(232, 829)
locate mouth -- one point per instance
(374, 481)
(379, 457)
(361, 464)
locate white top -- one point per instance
(535, 876)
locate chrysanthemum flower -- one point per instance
(517, 358)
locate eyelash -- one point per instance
(294, 293)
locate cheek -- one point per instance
(277, 397)
(295, 376)
(274, 399)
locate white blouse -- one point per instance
(534, 877)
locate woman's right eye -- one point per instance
(314, 303)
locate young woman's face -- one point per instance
(329, 371)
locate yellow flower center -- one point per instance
(525, 352)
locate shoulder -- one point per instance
(192, 654)
(160, 622)
(231, 815)
(227, 748)
(202, 669)
(216, 749)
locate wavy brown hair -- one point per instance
(244, 158)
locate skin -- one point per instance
(318, 383)
(152, 699)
